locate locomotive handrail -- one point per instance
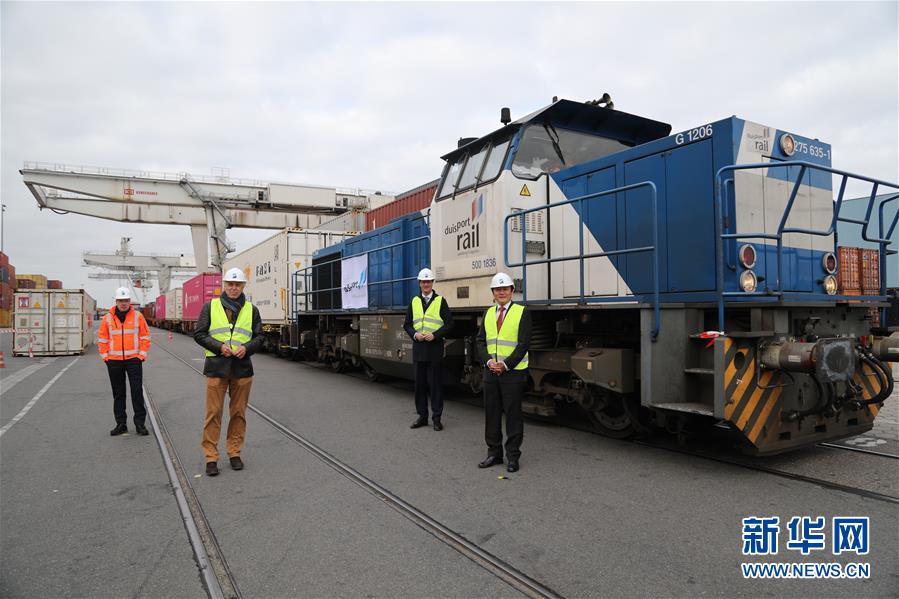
(308, 272)
(721, 214)
(581, 257)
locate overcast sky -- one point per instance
(370, 95)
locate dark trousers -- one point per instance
(504, 394)
(428, 382)
(134, 369)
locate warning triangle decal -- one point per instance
(524, 191)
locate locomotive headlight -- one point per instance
(747, 256)
(748, 281)
(829, 262)
(830, 285)
(787, 144)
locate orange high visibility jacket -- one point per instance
(123, 341)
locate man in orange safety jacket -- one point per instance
(124, 340)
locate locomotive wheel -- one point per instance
(370, 373)
(338, 365)
(613, 418)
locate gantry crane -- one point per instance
(209, 205)
(123, 260)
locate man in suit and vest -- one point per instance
(124, 340)
(503, 341)
(428, 319)
(230, 329)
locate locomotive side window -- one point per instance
(495, 161)
(537, 154)
(473, 168)
(452, 175)
(480, 168)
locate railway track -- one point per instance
(859, 450)
(493, 564)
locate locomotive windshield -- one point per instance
(545, 149)
(478, 166)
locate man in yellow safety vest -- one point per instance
(230, 329)
(503, 341)
(428, 319)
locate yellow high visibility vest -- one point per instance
(221, 329)
(501, 344)
(426, 321)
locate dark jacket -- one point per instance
(524, 343)
(429, 351)
(220, 366)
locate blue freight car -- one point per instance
(675, 280)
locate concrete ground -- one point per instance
(586, 516)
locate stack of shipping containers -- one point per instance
(7, 285)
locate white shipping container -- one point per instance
(270, 266)
(174, 305)
(53, 322)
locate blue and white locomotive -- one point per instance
(675, 280)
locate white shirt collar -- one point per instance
(428, 296)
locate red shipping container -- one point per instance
(12, 275)
(149, 311)
(405, 203)
(870, 271)
(54, 284)
(160, 307)
(6, 295)
(848, 264)
(4, 259)
(199, 290)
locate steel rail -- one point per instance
(782, 473)
(217, 578)
(859, 450)
(493, 564)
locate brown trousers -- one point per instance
(239, 391)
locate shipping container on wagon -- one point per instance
(197, 291)
(149, 312)
(40, 281)
(160, 309)
(25, 284)
(270, 266)
(414, 200)
(174, 307)
(393, 256)
(53, 322)
(54, 284)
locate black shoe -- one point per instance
(120, 429)
(513, 466)
(236, 463)
(438, 426)
(491, 460)
(141, 429)
(212, 469)
(419, 423)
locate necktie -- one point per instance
(499, 319)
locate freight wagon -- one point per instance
(676, 281)
(270, 266)
(53, 322)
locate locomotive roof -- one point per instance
(625, 127)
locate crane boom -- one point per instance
(209, 205)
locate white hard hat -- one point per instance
(122, 293)
(425, 274)
(235, 275)
(501, 279)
